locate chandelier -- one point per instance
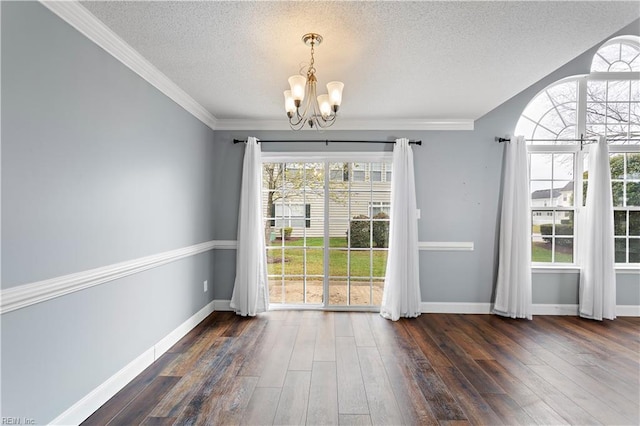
(318, 111)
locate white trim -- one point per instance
(575, 269)
(455, 308)
(225, 244)
(25, 295)
(86, 406)
(628, 310)
(553, 269)
(448, 308)
(95, 30)
(554, 309)
(571, 309)
(222, 305)
(446, 245)
(346, 124)
(630, 270)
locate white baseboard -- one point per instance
(484, 308)
(222, 305)
(628, 310)
(455, 308)
(82, 409)
(554, 309)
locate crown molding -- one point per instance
(86, 23)
(346, 124)
(73, 13)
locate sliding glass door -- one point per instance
(327, 229)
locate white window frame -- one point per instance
(327, 158)
(578, 204)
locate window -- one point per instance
(339, 172)
(376, 207)
(291, 215)
(603, 103)
(368, 172)
(376, 172)
(358, 172)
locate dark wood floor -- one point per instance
(356, 368)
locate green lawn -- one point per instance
(541, 252)
(363, 262)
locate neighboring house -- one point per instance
(547, 200)
(360, 189)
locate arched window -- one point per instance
(620, 54)
(606, 103)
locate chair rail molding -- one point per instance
(24, 295)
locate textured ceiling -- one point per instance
(398, 60)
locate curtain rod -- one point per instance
(580, 139)
(326, 141)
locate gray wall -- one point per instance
(98, 167)
(458, 179)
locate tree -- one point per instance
(616, 163)
(287, 181)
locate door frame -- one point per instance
(326, 158)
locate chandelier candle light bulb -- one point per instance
(319, 111)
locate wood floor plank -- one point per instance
(563, 406)
(325, 345)
(342, 321)
(411, 402)
(352, 398)
(404, 364)
(262, 406)
(204, 402)
(601, 411)
(509, 411)
(564, 362)
(216, 324)
(354, 420)
(526, 399)
(481, 381)
(361, 329)
(232, 403)
(473, 404)
(359, 368)
(140, 407)
(383, 407)
(596, 341)
(629, 337)
(429, 348)
(159, 421)
(323, 394)
(257, 355)
(294, 399)
(304, 347)
(278, 358)
(116, 404)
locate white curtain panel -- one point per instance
(513, 287)
(250, 290)
(597, 252)
(401, 296)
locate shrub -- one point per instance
(561, 229)
(287, 232)
(381, 231)
(359, 232)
